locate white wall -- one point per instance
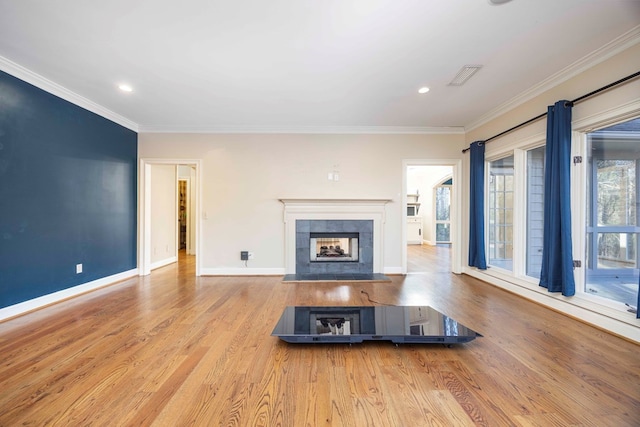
(245, 175)
(164, 218)
(184, 172)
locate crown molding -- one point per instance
(47, 85)
(303, 129)
(625, 41)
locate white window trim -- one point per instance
(519, 212)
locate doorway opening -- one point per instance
(431, 219)
(169, 202)
(186, 209)
(183, 213)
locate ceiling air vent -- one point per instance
(464, 74)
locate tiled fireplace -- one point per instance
(337, 246)
(334, 236)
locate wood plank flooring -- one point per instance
(171, 349)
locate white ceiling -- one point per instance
(315, 65)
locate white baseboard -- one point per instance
(242, 271)
(36, 303)
(392, 270)
(164, 262)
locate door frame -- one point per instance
(144, 210)
(456, 203)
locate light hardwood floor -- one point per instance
(428, 259)
(171, 349)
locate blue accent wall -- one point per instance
(68, 194)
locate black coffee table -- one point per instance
(349, 324)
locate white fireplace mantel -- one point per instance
(339, 209)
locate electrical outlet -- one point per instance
(244, 255)
(250, 255)
(78, 268)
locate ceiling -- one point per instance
(306, 65)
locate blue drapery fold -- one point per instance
(638, 303)
(557, 255)
(477, 256)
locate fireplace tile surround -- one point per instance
(305, 216)
(304, 228)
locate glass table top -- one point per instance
(355, 324)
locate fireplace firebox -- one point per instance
(333, 247)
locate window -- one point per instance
(501, 186)
(535, 211)
(443, 211)
(612, 229)
(605, 214)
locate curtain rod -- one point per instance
(575, 101)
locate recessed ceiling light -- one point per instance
(125, 88)
(423, 90)
(497, 2)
